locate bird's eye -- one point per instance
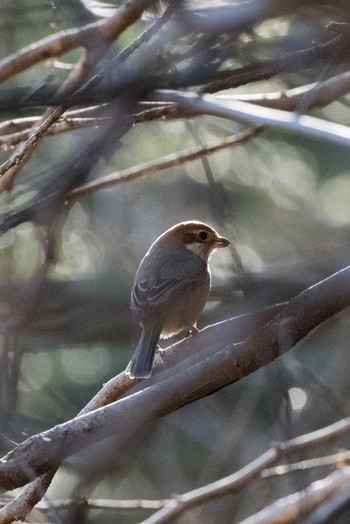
(202, 235)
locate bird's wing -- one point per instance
(146, 295)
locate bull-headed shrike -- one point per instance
(171, 287)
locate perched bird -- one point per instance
(171, 287)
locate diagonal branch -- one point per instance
(106, 32)
(290, 508)
(64, 41)
(318, 94)
(220, 363)
(19, 507)
(242, 478)
(172, 160)
(236, 110)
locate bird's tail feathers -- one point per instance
(141, 363)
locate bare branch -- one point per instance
(63, 126)
(172, 160)
(219, 363)
(105, 504)
(237, 329)
(109, 29)
(149, 32)
(339, 459)
(237, 110)
(309, 96)
(315, 95)
(300, 59)
(19, 507)
(67, 505)
(300, 99)
(292, 507)
(11, 166)
(333, 507)
(242, 478)
(64, 41)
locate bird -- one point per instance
(171, 287)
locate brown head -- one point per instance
(198, 237)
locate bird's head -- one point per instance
(197, 237)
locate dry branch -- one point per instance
(226, 363)
(236, 329)
(236, 110)
(96, 45)
(172, 160)
(242, 478)
(294, 506)
(19, 507)
(62, 126)
(318, 94)
(64, 41)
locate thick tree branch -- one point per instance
(235, 329)
(306, 97)
(220, 363)
(237, 110)
(334, 506)
(19, 507)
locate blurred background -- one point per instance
(66, 327)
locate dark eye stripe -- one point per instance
(190, 237)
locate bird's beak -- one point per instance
(221, 242)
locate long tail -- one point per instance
(140, 366)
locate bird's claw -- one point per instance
(191, 331)
(161, 352)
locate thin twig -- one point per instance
(107, 31)
(110, 504)
(172, 160)
(242, 478)
(338, 460)
(63, 126)
(64, 41)
(292, 507)
(11, 166)
(151, 31)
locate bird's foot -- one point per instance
(161, 352)
(191, 331)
